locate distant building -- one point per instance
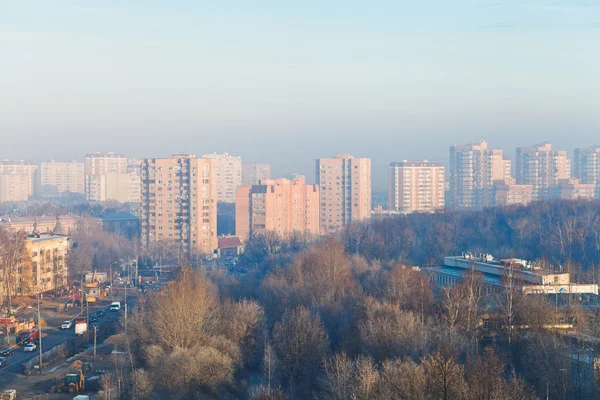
(529, 277)
(542, 168)
(17, 180)
(572, 189)
(124, 224)
(280, 205)
(121, 187)
(507, 193)
(57, 178)
(253, 173)
(45, 224)
(179, 202)
(416, 186)
(587, 165)
(230, 246)
(345, 191)
(229, 175)
(473, 169)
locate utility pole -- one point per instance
(39, 331)
(95, 330)
(125, 301)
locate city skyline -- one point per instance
(335, 78)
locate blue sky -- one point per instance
(286, 82)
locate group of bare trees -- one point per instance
(15, 266)
(558, 230)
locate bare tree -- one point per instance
(444, 378)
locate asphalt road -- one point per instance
(51, 337)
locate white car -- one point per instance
(30, 347)
(66, 325)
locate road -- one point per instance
(52, 336)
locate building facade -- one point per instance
(473, 169)
(280, 206)
(507, 193)
(345, 191)
(56, 178)
(17, 180)
(121, 187)
(587, 165)
(229, 175)
(253, 173)
(542, 168)
(416, 186)
(179, 202)
(573, 189)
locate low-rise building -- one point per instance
(528, 276)
(230, 246)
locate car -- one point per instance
(2, 361)
(29, 347)
(7, 352)
(100, 313)
(66, 325)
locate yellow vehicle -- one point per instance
(74, 382)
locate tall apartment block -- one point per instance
(56, 178)
(507, 193)
(229, 175)
(283, 206)
(179, 202)
(111, 176)
(542, 168)
(17, 180)
(345, 191)
(253, 173)
(587, 165)
(415, 186)
(473, 169)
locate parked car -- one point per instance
(2, 361)
(29, 347)
(66, 325)
(100, 313)
(7, 352)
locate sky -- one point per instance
(286, 82)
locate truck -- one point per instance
(81, 325)
(28, 336)
(115, 306)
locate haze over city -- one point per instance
(286, 83)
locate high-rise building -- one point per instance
(229, 175)
(17, 180)
(253, 173)
(473, 169)
(179, 202)
(345, 191)
(542, 168)
(283, 206)
(587, 165)
(415, 186)
(111, 176)
(56, 178)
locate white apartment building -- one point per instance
(415, 186)
(229, 175)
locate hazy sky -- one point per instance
(289, 81)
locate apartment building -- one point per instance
(573, 189)
(587, 165)
(345, 191)
(415, 186)
(56, 178)
(253, 173)
(473, 169)
(281, 205)
(542, 168)
(229, 175)
(179, 202)
(17, 180)
(114, 186)
(45, 269)
(507, 193)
